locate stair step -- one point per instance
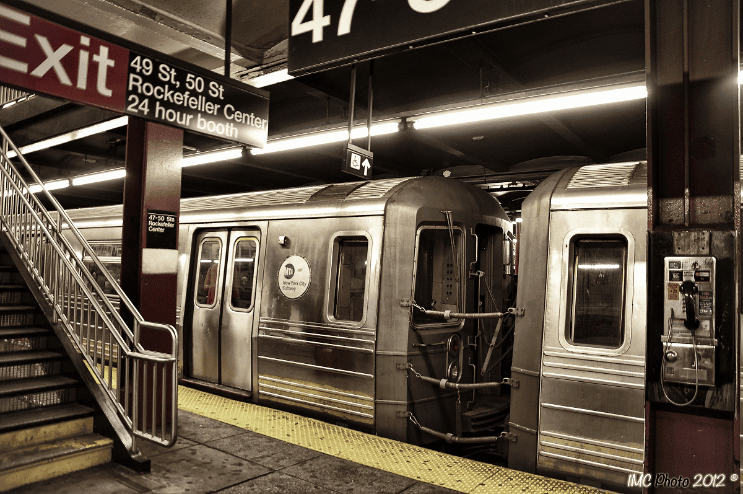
(35, 385)
(44, 461)
(40, 416)
(45, 433)
(22, 332)
(17, 308)
(29, 357)
(13, 287)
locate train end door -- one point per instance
(223, 296)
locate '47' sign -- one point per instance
(326, 33)
(316, 21)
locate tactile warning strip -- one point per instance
(403, 459)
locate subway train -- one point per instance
(392, 306)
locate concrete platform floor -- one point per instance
(212, 456)
(228, 446)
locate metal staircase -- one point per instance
(70, 366)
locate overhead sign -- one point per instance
(43, 57)
(358, 161)
(324, 33)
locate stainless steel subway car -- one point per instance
(305, 299)
(370, 304)
(579, 349)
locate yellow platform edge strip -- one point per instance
(424, 465)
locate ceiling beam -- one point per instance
(271, 169)
(596, 153)
(441, 146)
(30, 108)
(60, 120)
(312, 88)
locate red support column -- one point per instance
(693, 140)
(149, 258)
(149, 254)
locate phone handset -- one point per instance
(689, 289)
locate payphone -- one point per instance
(689, 338)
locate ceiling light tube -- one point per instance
(325, 138)
(202, 158)
(269, 78)
(529, 107)
(53, 185)
(71, 136)
(99, 177)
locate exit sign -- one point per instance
(48, 58)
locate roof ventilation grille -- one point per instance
(611, 175)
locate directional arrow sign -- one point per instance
(358, 161)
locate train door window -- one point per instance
(350, 258)
(438, 273)
(598, 292)
(109, 255)
(208, 273)
(243, 273)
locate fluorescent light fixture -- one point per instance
(270, 78)
(598, 266)
(325, 138)
(53, 185)
(201, 158)
(71, 136)
(99, 177)
(540, 105)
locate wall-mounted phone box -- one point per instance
(689, 276)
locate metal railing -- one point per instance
(129, 376)
(8, 94)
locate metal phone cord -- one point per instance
(696, 365)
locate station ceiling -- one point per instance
(599, 45)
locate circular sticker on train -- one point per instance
(294, 277)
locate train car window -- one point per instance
(437, 274)
(350, 278)
(598, 292)
(243, 274)
(109, 254)
(208, 272)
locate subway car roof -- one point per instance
(606, 186)
(344, 199)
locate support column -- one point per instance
(693, 141)
(149, 254)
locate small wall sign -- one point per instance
(294, 277)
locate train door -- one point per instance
(591, 422)
(223, 298)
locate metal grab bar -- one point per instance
(84, 311)
(446, 384)
(452, 439)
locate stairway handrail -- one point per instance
(126, 339)
(89, 252)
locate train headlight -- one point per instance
(453, 345)
(452, 373)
